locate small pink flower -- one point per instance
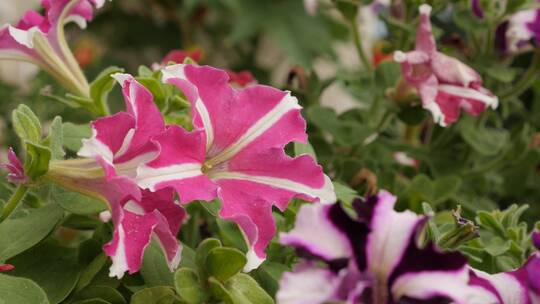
(405, 160)
(40, 39)
(445, 84)
(6, 267)
(178, 56)
(236, 153)
(15, 168)
(241, 79)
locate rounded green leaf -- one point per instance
(188, 286)
(203, 249)
(222, 263)
(106, 293)
(20, 290)
(154, 295)
(77, 203)
(244, 289)
(20, 234)
(53, 267)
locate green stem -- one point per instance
(526, 81)
(13, 202)
(359, 47)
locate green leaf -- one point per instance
(203, 249)
(77, 203)
(502, 73)
(92, 301)
(73, 134)
(55, 138)
(223, 263)
(231, 235)
(154, 295)
(103, 84)
(218, 290)
(37, 160)
(344, 193)
(154, 269)
(387, 74)
(188, 286)
(19, 290)
(243, 289)
(106, 293)
(486, 141)
(53, 267)
(268, 276)
(26, 124)
(304, 148)
(21, 233)
(91, 270)
(345, 132)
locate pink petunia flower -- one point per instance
(122, 142)
(15, 168)
(178, 56)
(445, 84)
(236, 153)
(40, 39)
(136, 221)
(6, 267)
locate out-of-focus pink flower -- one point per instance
(122, 142)
(40, 39)
(445, 84)
(6, 267)
(405, 160)
(311, 6)
(236, 153)
(241, 79)
(178, 56)
(15, 168)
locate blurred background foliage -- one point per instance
(363, 135)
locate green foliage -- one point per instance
(217, 276)
(20, 290)
(18, 234)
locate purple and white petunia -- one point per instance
(236, 153)
(445, 85)
(39, 39)
(15, 168)
(378, 259)
(521, 32)
(122, 142)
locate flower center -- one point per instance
(207, 166)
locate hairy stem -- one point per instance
(13, 202)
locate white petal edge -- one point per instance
(325, 194)
(176, 71)
(119, 262)
(92, 147)
(24, 37)
(491, 101)
(253, 261)
(148, 177)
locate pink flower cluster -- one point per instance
(445, 85)
(39, 39)
(235, 153)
